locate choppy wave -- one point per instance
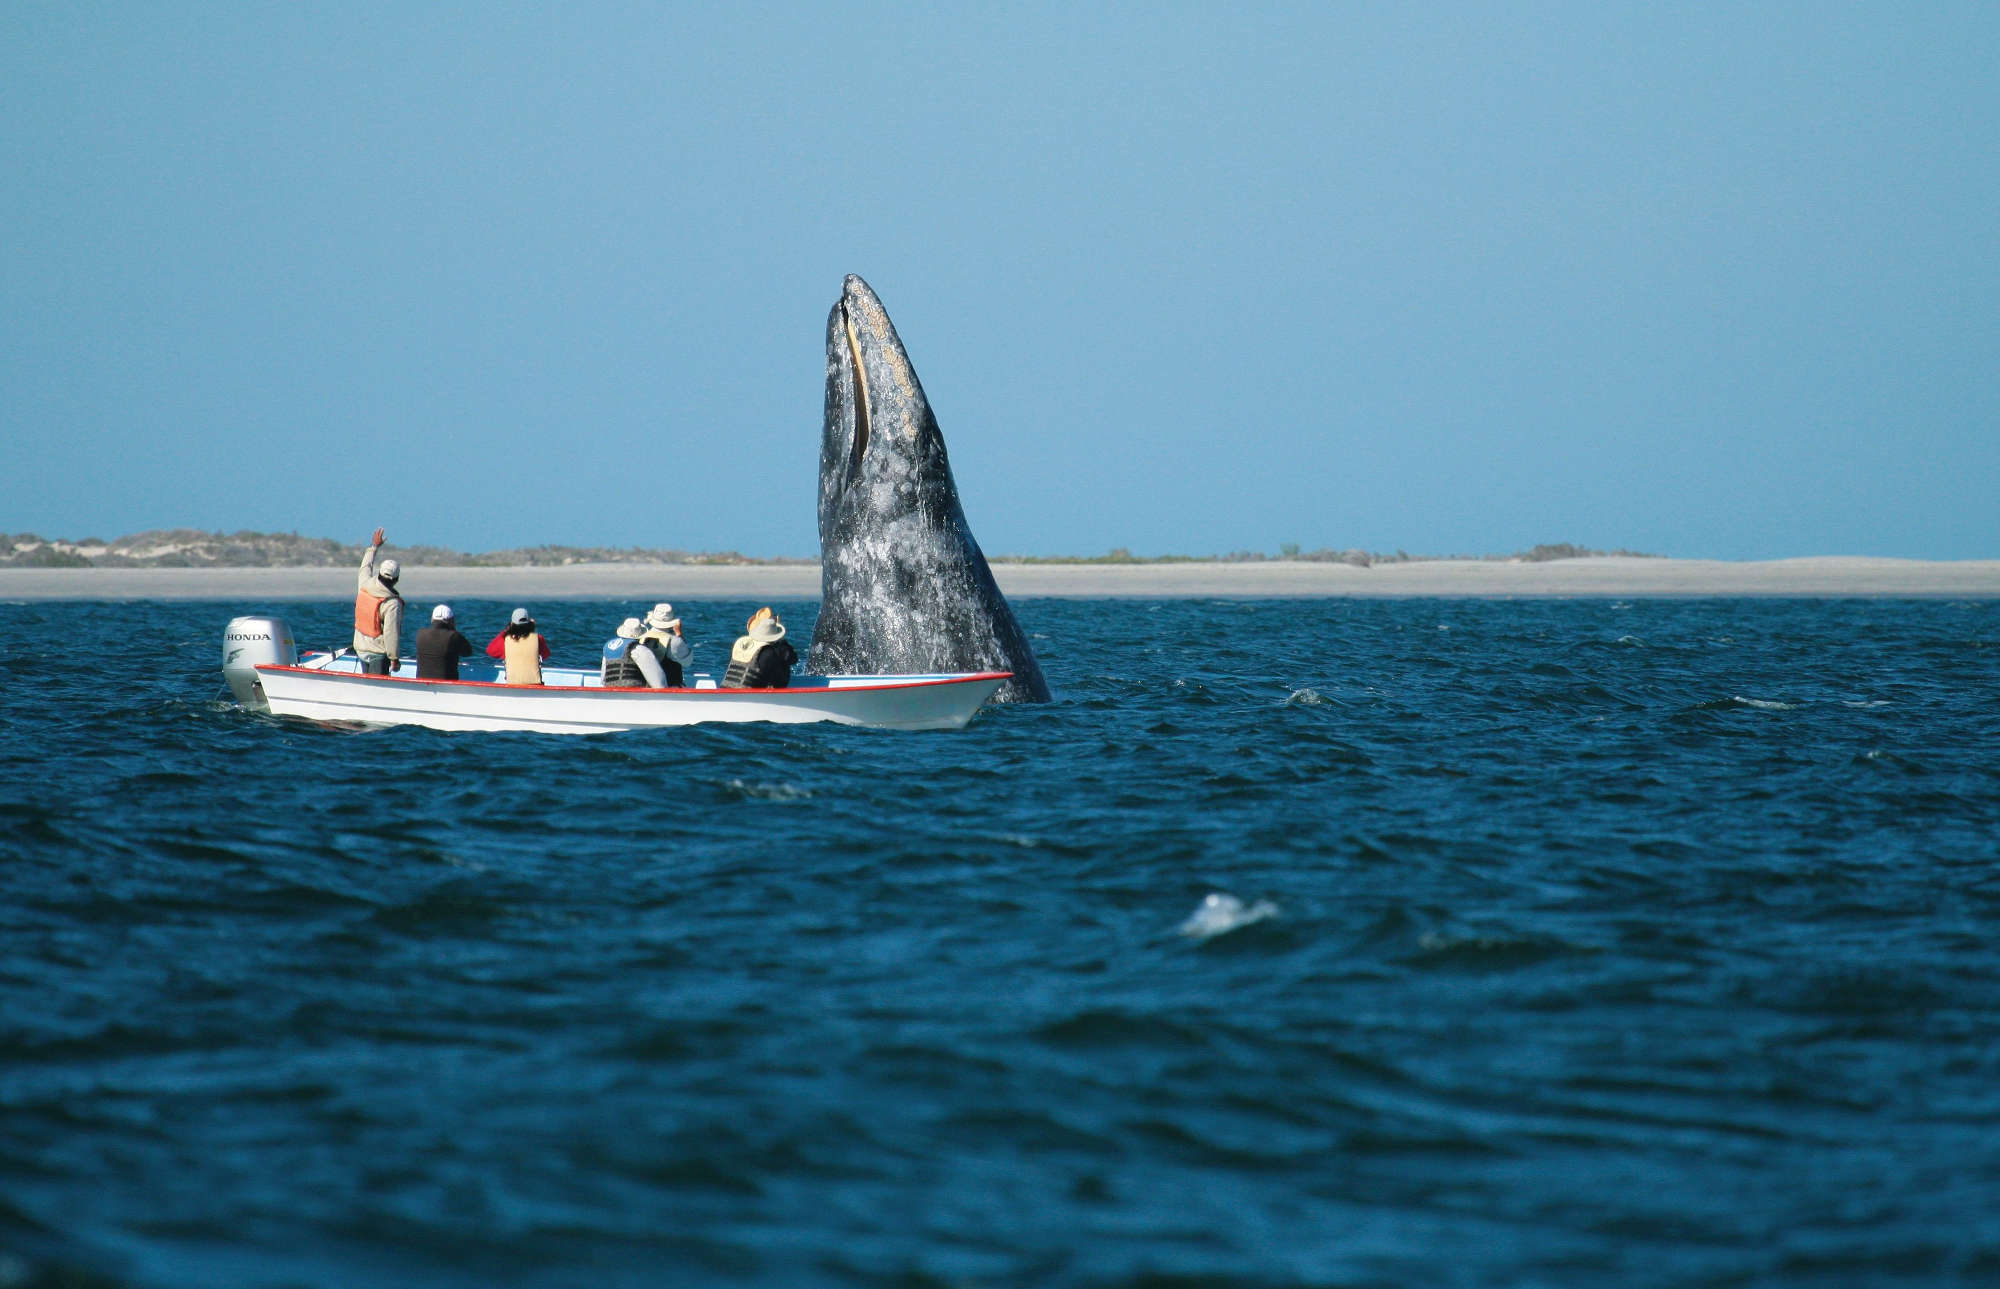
(1577, 943)
(755, 791)
(1220, 913)
(1763, 704)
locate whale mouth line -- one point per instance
(860, 386)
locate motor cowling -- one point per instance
(245, 643)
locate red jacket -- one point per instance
(498, 649)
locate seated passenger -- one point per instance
(763, 658)
(664, 641)
(523, 648)
(440, 646)
(628, 663)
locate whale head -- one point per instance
(904, 586)
(881, 454)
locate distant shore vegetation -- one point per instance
(1540, 554)
(193, 548)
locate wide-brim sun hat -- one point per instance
(767, 630)
(662, 617)
(631, 629)
(442, 613)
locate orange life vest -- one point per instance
(368, 612)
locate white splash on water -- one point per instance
(1762, 704)
(1307, 697)
(768, 791)
(1219, 914)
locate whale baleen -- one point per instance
(904, 587)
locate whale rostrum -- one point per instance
(904, 587)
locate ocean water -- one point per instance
(1297, 943)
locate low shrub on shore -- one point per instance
(193, 548)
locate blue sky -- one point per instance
(1703, 282)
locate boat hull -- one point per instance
(881, 702)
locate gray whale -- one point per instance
(903, 585)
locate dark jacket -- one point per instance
(438, 650)
(770, 668)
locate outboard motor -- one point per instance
(247, 642)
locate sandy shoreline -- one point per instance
(1609, 576)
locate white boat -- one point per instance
(570, 701)
(261, 665)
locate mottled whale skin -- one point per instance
(904, 587)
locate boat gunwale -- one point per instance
(955, 678)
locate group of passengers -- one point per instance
(648, 653)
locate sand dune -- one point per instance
(1606, 576)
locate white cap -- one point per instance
(631, 629)
(520, 616)
(442, 613)
(388, 570)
